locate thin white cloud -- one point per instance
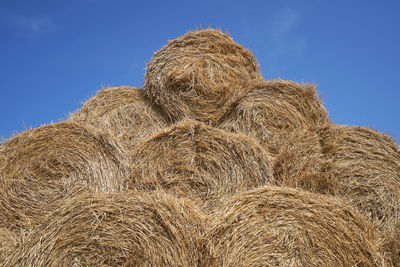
(285, 45)
(286, 20)
(28, 26)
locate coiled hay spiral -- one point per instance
(198, 74)
(200, 161)
(271, 109)
(278, 226)
(128, 229)
(49, 163)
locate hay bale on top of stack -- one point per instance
(198, 74)
(123, 111)
(357, 164)
(268, 110)
(201, 162)
(129, 229)
(278, 226)
(41, 166)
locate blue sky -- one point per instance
(55, 54)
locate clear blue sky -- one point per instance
(55, 54)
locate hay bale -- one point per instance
(278, 226)
(200, 162)
(123, 111)
(367, 165)
(361, 165)
(125, 229)
(46, 164)
(270, 109)
(357, 164)
(198, 74)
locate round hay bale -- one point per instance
(270, 109)
(46, 164)
(198, 74)
(363, 166)
(123, 111)
(125, 229)
(367, 165)
(278, 226)
(200, 161)
(357, 164)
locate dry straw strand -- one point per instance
(198, 74)
(49, 163)
(278, 226)
(123, 111)
(193, 159)
(128, 229)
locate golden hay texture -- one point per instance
(392, 243)
(358, 163)
(123, 111)
(8, 241)
(354, 163)
(46, 164)
(199, 161)
(128, 229)
(198, 74)
(301, 163)
(272, 108)
(278, 226)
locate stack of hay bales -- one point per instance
(207, 165)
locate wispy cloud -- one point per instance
(285, 45)
(29, 26)
(286, 20)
